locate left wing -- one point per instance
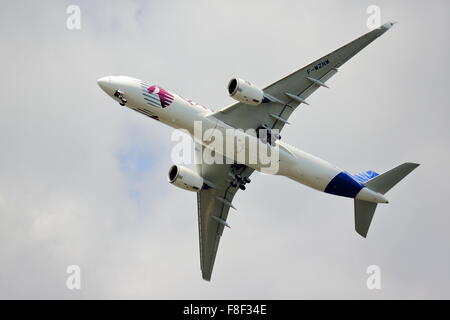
(213, 206)
(293, 89)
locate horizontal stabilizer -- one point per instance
(384, 182)
(364, 212)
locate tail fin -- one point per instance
(382, 183)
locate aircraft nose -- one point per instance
(104, 83)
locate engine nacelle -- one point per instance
(244, 91)
(185, 178)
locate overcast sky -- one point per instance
(83, 181)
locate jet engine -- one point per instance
(185, 178)
(246, 92)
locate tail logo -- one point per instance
(165, 97)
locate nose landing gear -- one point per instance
(121, 96)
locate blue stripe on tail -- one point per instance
(344, 185)
(365, 176)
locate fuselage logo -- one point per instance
(165, 97)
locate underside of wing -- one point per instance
(289, 92)
(214, 204)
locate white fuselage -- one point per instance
(181, 113)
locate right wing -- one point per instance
(213, 206)
(291, 90)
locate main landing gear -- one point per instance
(267, 135)
(238, 180)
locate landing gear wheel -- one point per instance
(234, 184)
(242, 187)
(246, 180)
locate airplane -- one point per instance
(256, 109)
